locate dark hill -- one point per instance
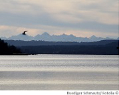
(6, 49)
(104, 47)
(102, 42)
(45, 43)
(96, 48)
(37, 43)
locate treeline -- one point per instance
(37, 43)
(107, 49)
(6, 49)
(46, 43)
(104, 47)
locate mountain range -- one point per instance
(55, 38)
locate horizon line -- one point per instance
(61, 35)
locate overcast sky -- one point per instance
(82, 18)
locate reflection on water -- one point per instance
(59, 72)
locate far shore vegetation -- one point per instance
(6, 49)
(17, 47)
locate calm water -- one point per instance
(59, 72)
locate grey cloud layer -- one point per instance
(91, 15)
(44, 19)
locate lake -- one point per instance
(59, 72)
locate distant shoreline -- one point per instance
(51, 54)
(104, 47)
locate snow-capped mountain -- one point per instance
(63, 38)
(70, 38)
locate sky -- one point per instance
(82, 18)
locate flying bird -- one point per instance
(24, 33)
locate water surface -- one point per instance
(59, 72)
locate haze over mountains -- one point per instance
(62, 38)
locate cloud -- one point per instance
(67, 11)
(96, 16)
